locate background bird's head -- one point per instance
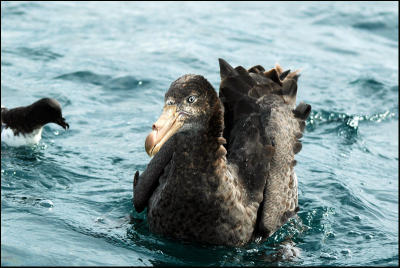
(47, 110)
(190, 103)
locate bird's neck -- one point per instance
(202, 152)
(204, 146)
(197, 144)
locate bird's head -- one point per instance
(190, 103)
(48, 110)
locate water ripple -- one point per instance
(85, 77)
(321, 117)
(106, 81)
(40, 54)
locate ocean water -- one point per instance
(68, 200)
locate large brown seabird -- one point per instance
(222, 170)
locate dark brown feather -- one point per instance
(257, 69)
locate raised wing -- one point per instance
(262, 132)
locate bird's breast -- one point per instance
(9, 138)
(206, 213)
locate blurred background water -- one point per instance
(67, 201)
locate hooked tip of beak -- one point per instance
(62, 123)
(150, 143)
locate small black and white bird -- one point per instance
(23, 125)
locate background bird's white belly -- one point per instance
(8, 137)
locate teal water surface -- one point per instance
(67, 201)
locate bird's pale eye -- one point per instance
(170, 102)
(191, 99)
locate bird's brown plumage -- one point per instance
(225, 186)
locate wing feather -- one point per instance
(145, 184)
(262, 131)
